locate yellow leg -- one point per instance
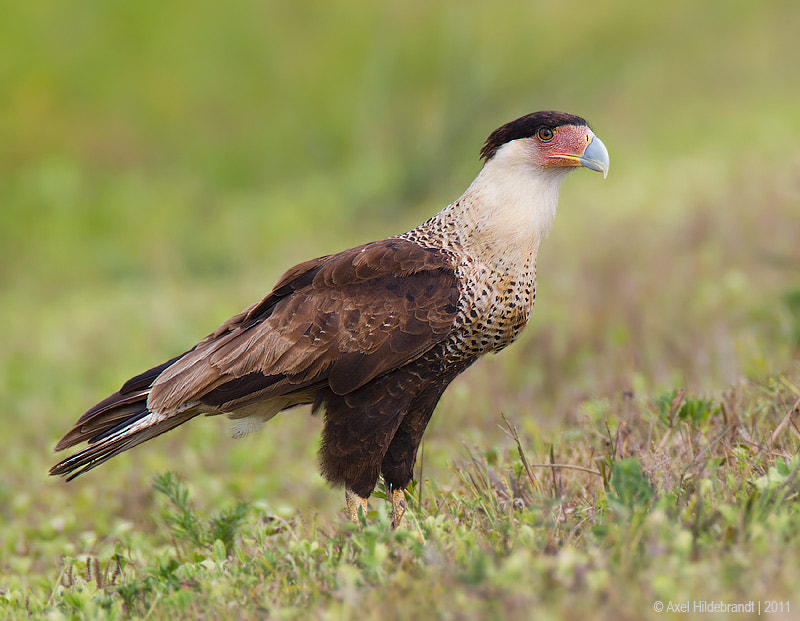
(398, 498)
(355, 503)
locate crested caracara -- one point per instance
(373, 335)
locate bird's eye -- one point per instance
(545, 134)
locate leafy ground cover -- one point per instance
(679, 499)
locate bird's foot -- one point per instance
(356, 506)
(398, 499)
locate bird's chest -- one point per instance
(497, 307)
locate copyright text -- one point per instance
(718, 606)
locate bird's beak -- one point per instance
(595, 157)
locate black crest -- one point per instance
(525, 127)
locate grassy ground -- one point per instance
(160, 167)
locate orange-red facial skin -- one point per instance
(568, 143)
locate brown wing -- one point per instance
(343, 319)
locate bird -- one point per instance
(369, 337)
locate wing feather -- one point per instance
(343, 319)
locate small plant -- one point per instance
(187, 525)
(630, 489)
(782, 475)
(676, 405)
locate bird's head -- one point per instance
(511, 204)
(548, 140)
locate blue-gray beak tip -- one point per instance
(595, 157)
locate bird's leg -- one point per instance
(355, 504)
(398, 499)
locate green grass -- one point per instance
(670, 508)
(160, 166)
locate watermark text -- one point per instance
(758, 607)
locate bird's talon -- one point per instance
(356, 506)
(398, 499)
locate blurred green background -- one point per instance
(161, 164)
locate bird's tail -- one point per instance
(116, 424)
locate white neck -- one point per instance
(509, 207)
